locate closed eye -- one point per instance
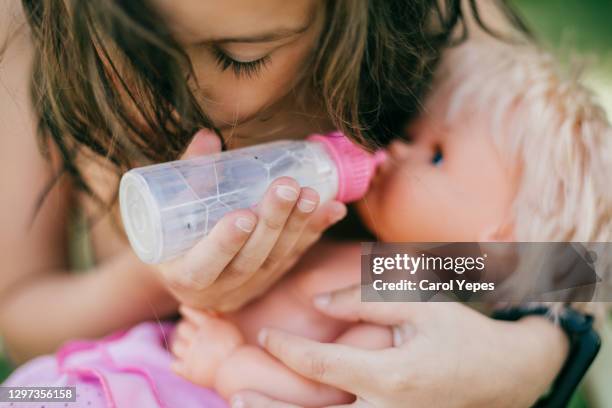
(240, 68)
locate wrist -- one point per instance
(539, 349)
(546, 339)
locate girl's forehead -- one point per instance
(214, 20)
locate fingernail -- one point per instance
(201, 138)
(245, 224)
(287, 193)
(322, 300)
(262, 336)
(237, 402)
(306, 205)
(338, 212)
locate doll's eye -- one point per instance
(437, 157)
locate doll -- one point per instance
(507, 149)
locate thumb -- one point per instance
(346, 304)
(204, 142)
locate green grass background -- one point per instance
(570, 27)
(4, 369)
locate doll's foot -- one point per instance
(201, 342)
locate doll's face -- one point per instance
(446, 185)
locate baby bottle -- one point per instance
(167, 208)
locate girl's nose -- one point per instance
(399, 150)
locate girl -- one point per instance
(116, 84)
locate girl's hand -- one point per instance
(247, 251)
(446, 355)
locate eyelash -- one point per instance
(241, 69)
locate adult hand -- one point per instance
(248, 250)
(445, 355)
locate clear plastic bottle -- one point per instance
(166, 208)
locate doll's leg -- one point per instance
(211, 352)
(251, 368)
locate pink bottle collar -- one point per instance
(356, 167)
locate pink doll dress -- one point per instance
(130, 369)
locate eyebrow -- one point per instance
(269, 36)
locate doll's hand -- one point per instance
(247, 251)
(201, 343)
(447, 355)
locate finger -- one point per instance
(273, 212)
(346, 304)
(185, 330)
(202, 265)
(325, 216)
(306, 204)
(179, 348)
(337, 365)
(204, 142)
(195, 317)
(251, 399)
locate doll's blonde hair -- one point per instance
(547, 123)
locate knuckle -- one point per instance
(192, 277)
(228, 244)
(296, 223)
(247, 261)
(274, 223)
(316, 366)
(233, 275)
(187, 282)
(272, 262)
(177, 283)
(398, 380)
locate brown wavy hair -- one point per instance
(98, 63)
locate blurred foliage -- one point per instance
(578, 401)
(580, 33)
(584, 25)
(5, 369)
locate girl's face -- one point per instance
(247, 56)
(445, 186)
